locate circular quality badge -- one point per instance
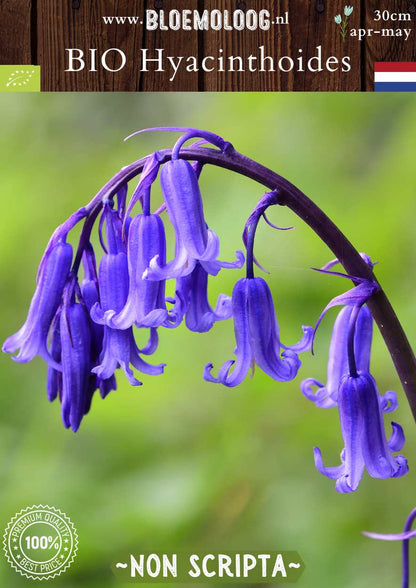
(40, 542)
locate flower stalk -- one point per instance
(405, 536)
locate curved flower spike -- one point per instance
(327, 395)
(257, 337)
(365, 444)
(31, 339)
(191, 301)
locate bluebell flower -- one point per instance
(258, 338)
(348, 10)
(60, 235)
(90, 296)
(194, 241)
(76, 344)
(351, 387)
(145, 304)
(119, 346)
(326, 396)
(71, 347)
(75, 359)
(32, 338)
(184, 204)
(338, 19)
(191, 301)
(256, 328)
(365, 443)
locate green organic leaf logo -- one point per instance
(20, 77)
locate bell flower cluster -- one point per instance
(88, 306)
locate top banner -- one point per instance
(207, 45)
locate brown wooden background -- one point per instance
(38, 31)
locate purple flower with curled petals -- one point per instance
(258, 338)
(326, 396)
(351, 387)
(145, 304)
(191, 301)
(194, 241)
(183, 264)
(71, 346)
(355, 316)
(120, 350)
(32, 338)
(183, 199)
(76, 344)
(365, 443)
(119, 346)
(255, 325)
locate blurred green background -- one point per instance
(180, 464)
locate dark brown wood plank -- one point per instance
(311, 24)
(15, 32)
(174, 43)
(78, 24)
(382, 48)
(243, 43)
(314, 26)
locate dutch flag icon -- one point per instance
(395, 76)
